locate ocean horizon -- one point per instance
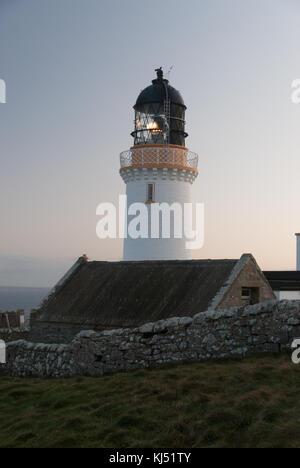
(14, 298)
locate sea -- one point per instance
(12, 298)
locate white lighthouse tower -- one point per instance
(158, 169)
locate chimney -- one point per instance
(298, 251)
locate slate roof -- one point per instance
(126, 294)
(283, 280)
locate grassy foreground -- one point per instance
(250, 403)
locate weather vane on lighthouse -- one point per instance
(158, 169)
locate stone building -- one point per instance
(9, 320)
(109, 295)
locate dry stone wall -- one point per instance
(236, 332)
(13, 334)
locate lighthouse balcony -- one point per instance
(147, 156)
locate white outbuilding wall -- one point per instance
(298, 251)
(287, 295)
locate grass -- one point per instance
(250, 403)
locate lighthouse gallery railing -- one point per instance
(160, 156)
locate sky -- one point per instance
(73, 70)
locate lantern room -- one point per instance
(159, 115)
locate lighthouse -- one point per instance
(159, 171)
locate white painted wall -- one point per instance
(298, 251)
(170, 187)
(288, 295)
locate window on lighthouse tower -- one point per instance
(150, 193)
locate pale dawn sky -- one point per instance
(73, 70)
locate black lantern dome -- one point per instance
(159, 114)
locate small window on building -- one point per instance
(245, 293)
(150, 193)
(250, 295)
